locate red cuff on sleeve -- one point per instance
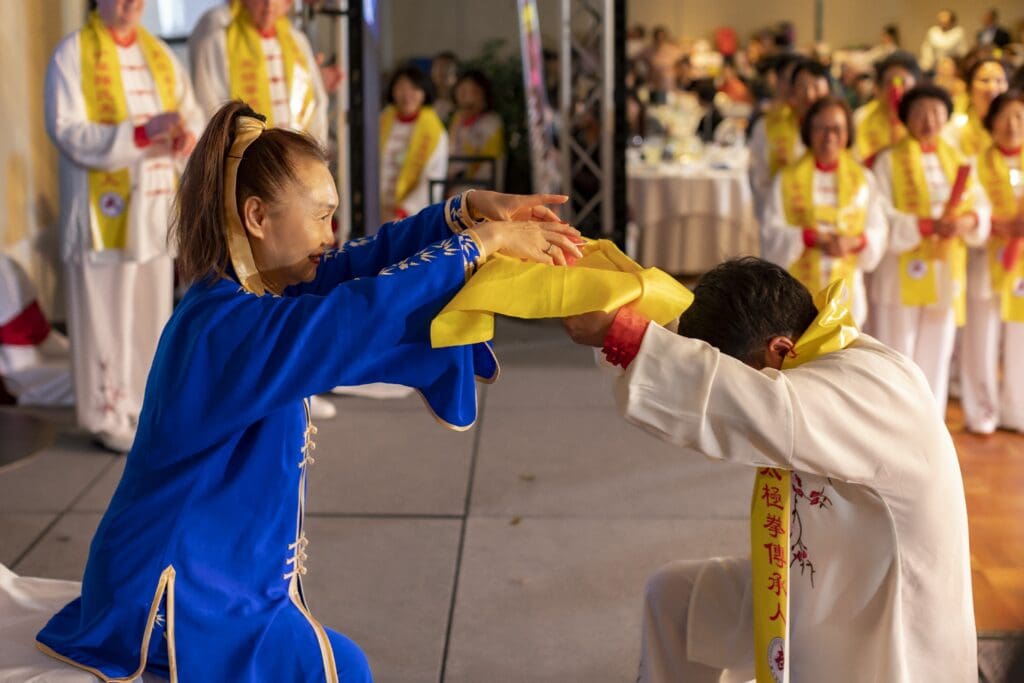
(141, 139)
(622, 343)
(810, 238)
(926, 226)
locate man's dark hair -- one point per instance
(740, 305)
(814, 68)
(893, 31)
(898, 59)
(925, 91)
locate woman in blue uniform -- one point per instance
(195, 572)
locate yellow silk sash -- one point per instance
(771, 503)
(918, 284)
(605, 279)
(426, 134)
(105, 102)
(782, 130)
(973, 136)
(876, 130)
(994, 176)
(247, 69)
(848, 218)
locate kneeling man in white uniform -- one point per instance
(860, 569)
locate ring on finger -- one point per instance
(550, 247)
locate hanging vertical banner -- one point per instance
(539, 115)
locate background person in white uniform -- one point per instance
(119, 280)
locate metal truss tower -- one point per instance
(592, 121)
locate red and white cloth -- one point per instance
(35, 363)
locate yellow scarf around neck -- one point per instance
(994, 176)
(782, 130)
(247, 69)
(771, 506)
(918, 279)
(426, 134)
(848, 217)
(877, 131)
(105, 102)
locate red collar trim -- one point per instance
(470, 120)
(124, 41)
(826, 168)
(1010, 152)
(269, 33)
(928, 149)
(407, 119)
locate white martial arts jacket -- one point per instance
(905, 235)
(880, 586)
(209, 55)
(784, 243)
(84, 144)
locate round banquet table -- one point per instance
(691, 216)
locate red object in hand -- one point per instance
(959, 185)
(810, 238)
(895, 97)
(1011, 253)
(141, 138)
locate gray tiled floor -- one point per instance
(544, 521)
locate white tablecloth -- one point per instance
(691, 216)
(26, 604)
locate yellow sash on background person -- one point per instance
(877, 130)
(105, 102)
(848, 218)
(994, 176)
(918, 284)
(605, 279)
(973, 136)
(426, 134)
(771, 503)
(247, 68)
(782, 131)
(493, 146)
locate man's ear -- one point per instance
(777, 350)
(254, 217)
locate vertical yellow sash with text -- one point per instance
(771, 506)
(105, 102)
(1007, 273)
(847, 218)
(918, 276)
(247, 69)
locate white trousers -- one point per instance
(925, 335)
(116, 313)
(986, 339)
(698, 624)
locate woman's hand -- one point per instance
(530, 240)
(496, 206)
(955, 226)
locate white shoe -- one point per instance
(321, 408)
(377, 390)
(118, 442)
